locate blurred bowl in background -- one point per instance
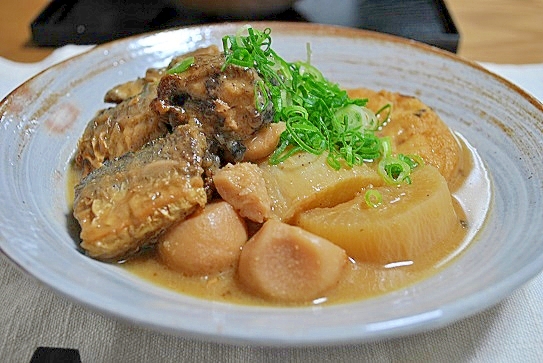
(235, 8)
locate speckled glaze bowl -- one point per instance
(41, 121)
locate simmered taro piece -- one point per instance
(224, 102)
(125, 204)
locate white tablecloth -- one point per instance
(32, 316)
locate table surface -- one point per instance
(497, 31)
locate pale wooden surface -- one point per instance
(499, 31)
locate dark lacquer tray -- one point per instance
(97, 21)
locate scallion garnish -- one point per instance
(319, 115)
(383, 115)
(396, 169)
(181, 66)
(373, 198)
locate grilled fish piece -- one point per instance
(117, 130)
(130, 124)
(125, 204)
(133, 88)
(223, 102)
(127, 90)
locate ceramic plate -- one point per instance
(42, 120)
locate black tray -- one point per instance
(98, 21)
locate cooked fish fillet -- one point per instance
(125, 204)
(131, 123)
(210, 50)
(223, 102)
(127, 90)
(120, 129)
(132, 88)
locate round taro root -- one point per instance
(208, 242)
(286, 263)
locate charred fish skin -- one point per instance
(125, 204)
(224, 102)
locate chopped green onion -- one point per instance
(181, 66)
(319, 116)
(261, 96)
(412, 160)
(386, 146)
(394, 170)
(373, 198)
(357, 117)
(383, 115)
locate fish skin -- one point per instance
(117, 130)
(129, 201)
(130, 123)
(222, 101)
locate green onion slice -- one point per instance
(383, 115)
(181, 66)
(373, 198)
(394, 170)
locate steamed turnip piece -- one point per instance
(243, 186)
(208, 242)
(286, 263)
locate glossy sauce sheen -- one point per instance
(360, 280)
